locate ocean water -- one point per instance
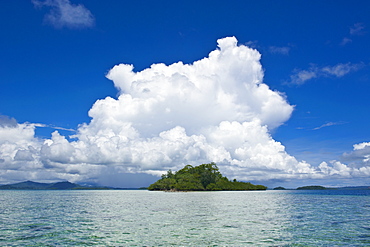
(145, 218)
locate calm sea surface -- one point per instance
(144, 218)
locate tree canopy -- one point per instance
(205, 177)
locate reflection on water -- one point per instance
(143, 218)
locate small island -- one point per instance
(279, 188)
(312, 187)
(205, 177)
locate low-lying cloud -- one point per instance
(216, 109)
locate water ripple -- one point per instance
(143, 218)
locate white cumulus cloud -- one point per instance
(360, 156)
(65, 14)
(216, 109)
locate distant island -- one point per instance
(29, 185)
(312, 187)
(279, 188)
(205, 177)
(319, 187)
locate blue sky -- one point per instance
(55, 56)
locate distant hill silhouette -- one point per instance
(30, 185)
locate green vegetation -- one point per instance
(205, 177)
(311, 187)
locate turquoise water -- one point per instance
(144, 218)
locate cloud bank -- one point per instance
(216, 109)
(64, 14)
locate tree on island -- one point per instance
(205, 177)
